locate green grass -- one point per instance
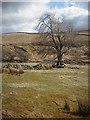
(42, 93)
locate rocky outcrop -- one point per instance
(22, 66)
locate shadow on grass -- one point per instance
(83, 109)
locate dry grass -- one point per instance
(31, 95)
(83, 108)
(19, 38)
(42, 93)
(25, 40)
(66, 106)
(30, 37)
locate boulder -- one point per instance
(58, 66)
(38, 67)
(48, 66)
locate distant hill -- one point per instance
(22, 37)
(85, 32)
(19, 37)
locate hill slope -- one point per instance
(24, 40)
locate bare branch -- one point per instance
(57, 37)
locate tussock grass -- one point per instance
(83, 108)
(66, 106)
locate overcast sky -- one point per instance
(24, 16)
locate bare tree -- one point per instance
(56, 36)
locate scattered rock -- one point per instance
(38, 67)
(26, 67)
(16, 59)
(47, 66)
(20, 67)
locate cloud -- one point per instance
(79, 16)
(24, 16)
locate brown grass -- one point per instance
(83, 108)
(23, 39)
(32, 93)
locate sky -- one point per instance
(24, 16)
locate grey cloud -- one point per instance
(12, 22)
(12, 28)
(79, 22)
(15, 23)
(9, 7)
(7, 29)
(12, 25)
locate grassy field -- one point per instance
(42, 93)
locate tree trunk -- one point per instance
(59, 60)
